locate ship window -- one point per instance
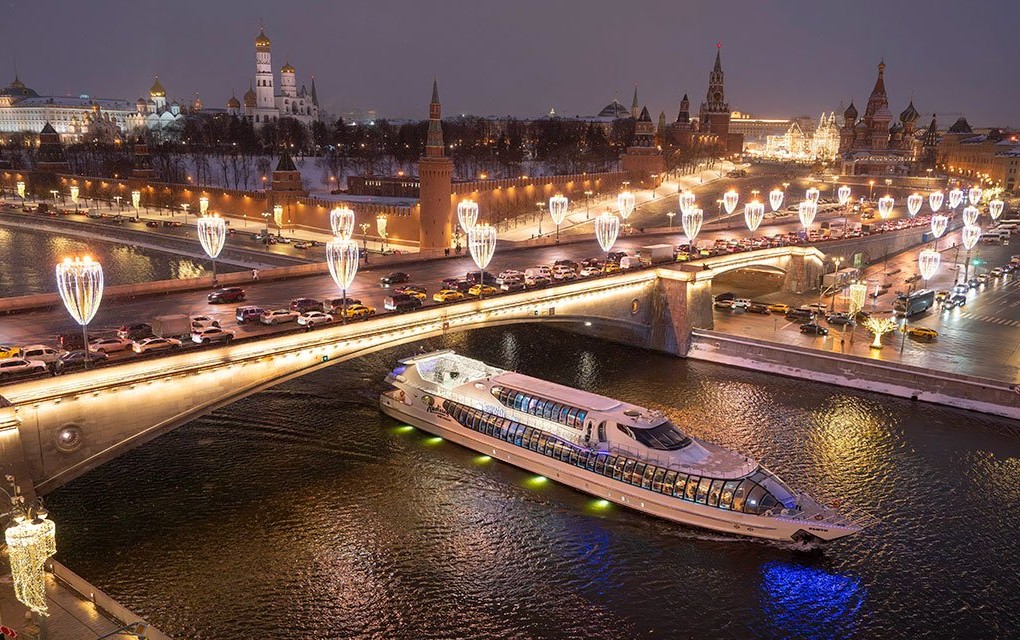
(592, 458)
(715, 492)
(552, 409)
(581, 415)
(625, 430)
(703, 487)
(646, 480)
(692, 488)
(727, 494)
(538, 407)
(600, 464)
(563, 414)
(541, 442)
(518, 436)
(628, 470)
(550, 446)
(754, 498)
(575, 457)
(571, 415)
(664, 437)
(617, 467)
(740, 495)
(602, 431)
(768, 502)
(668, 482)
(532, 403)
(526, 437)
(635, 473)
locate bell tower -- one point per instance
(435, 173)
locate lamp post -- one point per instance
(885, 206)
(467, 215)
(380, 226)
(587, 203)
(776, 199)
(670, 215)
(80, 284)
(935, 199)
(212, 233)
(118, 199)
(558, 206)
(939, 224)
(625, 204)
(481, 245)
(74, 196)
(342, 258)
(265, 216)
(541, 214)
(691, 222)
(607, 228)
(278, 218)
(687, 201)
(871, 189)
(364, 238)
(21, 191)
(730, 199)
(341, 222)
(970, 236)
(203, 205)
(136, 201)
(54, 192)
(754, 213)
(185, 206)
(30, 543)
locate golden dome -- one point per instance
(157, 90)
(262, 42)
(287, 68)
(233, 103)
(250, 100)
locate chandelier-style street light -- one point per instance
(811, 195)
(30, 543)
(278, 215)
(203, 205)
(607, 227)
(21, 189)
(691, 222)
(136, 200)
(80, 284)
(687, 201)
(776, 199)
(858, 293)
(843, 193)
(342, 258)
(754, 213)
(75, 191)
(730, 201)
(625, 204)
(885, 206)
(935, 199)
(955, 198)
(341, 222)
(928, 262)
(971, 234)
(807, 210)
(970, 215)
(914, 202)
(482, 244)
(995, 208)
(467, 214)
(939, 223)
(212, 233)
(558, 206)
(974, 196)
(380, 226)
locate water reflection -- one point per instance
(800, 601)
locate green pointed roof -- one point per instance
(285, 163)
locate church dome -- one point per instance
(614, 110)
(233, 103)
(910, 114)
(850, 115)
(262, 42)
(157, 90)
(249, 98)
(287, 68)
(18, 89)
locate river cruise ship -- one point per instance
(623, 453)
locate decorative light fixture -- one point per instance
(691, 222)
(687, 201)
(939, 223)
(928, 262)
(776, 199)
(995, 208)
(278, 215)
(342, 259)
(30, 543)
(974, 196)
(885, 206)
(481, 245)
(807, 210)
(843, 193)
(625, 204)
(203, 205)
(341, 221)
(75, 191)
(467, 214)
(80, 284)
(971, 234)
(970, 215)
(380, 224)
(858, 293)
(21, 189)
(914, 202)
(754, 213)
(811, 195)
(955, 198)
(212, 233)
(729, 200)
(879, 326)
(558, 206)
(935, 199)
(607, 227)
(136, 200)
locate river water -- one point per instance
(28, 258)
(302, 512)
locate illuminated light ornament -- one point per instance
(971, 234)
(807, 211)
(691, 222)
(878, 327)
(935, 199)
(625, 204)
(939, 224)
(885, 206)
(203, 205)
(278, 215)
(858, 293)
(21, 189)
(341, 221)
(928, 262)
(30, 543)
(914, 202)
(212, 233)
(754, 213)
(843, 193)
(974, 196)
(380, 224)
(995, 208)
(467, 214)
(970, 215)
(558, 206)
(75, 191)
(729, 200)
(811, 195)
(687, 201)
(482, 245)
(776, 199)
(80, 283)
(955, 198)
(342, 259)
(136, 199)
(607, 227)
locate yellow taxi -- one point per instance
(9, 352)
(414, 290)
(610, 267)
(447, 295)
(357, 311)
(779, 307)
(482, 290)
(922, 333)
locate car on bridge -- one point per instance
(76, 359)
(40, 352)
(513, 285)
(203, 322)
(447, 295)
(211, 334)
(482, 290)
(135, 331)
(248, 313)
(336, 304)
(304, 305)
(313, 318)
(401, 302)
(110, 345)
(397, 277)
(279, 316)
(226, 294)
(7, 351)
(155, 344)
(757, 307)
(413, 290)
(11, 367)
(359, 311)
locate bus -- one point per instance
(915, 303)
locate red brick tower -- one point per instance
(643, 160)
(715, 111)
(435, 172)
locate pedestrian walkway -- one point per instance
(994, 320)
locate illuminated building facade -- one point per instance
(263, 103)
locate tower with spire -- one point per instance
(264, 104)
(435, 172)
(635, 108)
(714, 116)
(643, 160)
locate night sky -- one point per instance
(782, 58)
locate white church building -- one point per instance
(262, 103)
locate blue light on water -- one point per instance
(800, 601)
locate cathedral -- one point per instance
(263, 104)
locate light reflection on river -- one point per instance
(302, 512)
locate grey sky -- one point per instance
(781, 58)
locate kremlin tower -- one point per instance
(435, 172)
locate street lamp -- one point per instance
(843, 193)
(670, 215)
(482, 244)
(30, 543)
(691, 222)
(80, 284)
(995, 208)
(21, 190)
(914, 202)
(871, 189)
(974, 195)
(341, 221)
(278, 218)
(928, 262)
(212, 233)
(687, 201)
(625, 204)
(54, 192)
(380, 226)
(806, 210)
(467, 214)
(558, 206)
(970, 235)
(730, 201)
(587, 203)
(776, 199)
(541, 209)
(935, 199)
(754, 213)
(364, 238)
(185, 206)
(955, 198)
(811, 195)
(342, 258)
(970, 215)
(939, 224)
(203, 205)
(266, 216)
(74, 196)
(885, 206)
(607, 228)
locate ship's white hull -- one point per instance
(644, 500)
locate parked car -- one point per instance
(10, 367)
(413, 290)
(135, 331)
(779, 307)
(726, 305)
(335, 304)
(513, 285)
(509, 274)
(741, 303)
(800, 316)
(76, 359)
(564, 272)
(9, 352)
(155, 344)
(814, 328)
(278, 316)
(304, 305)
(401, 302)
(922, 333)
(248, 313)
(212, 334)
(757, 307)
(726, 296)
(151, 223)
(226, 294)
(313, 318)
(396, 277)
(203, 322)
(566, 263)
(359, 311)
(109, 345)
(482, 290)
(474, 277)
(537, 282)
(447, 295)
(839, 318)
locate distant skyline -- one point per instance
(781, 58)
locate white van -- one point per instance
(542, 271)
(629, 262)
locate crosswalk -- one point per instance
(992, 319)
